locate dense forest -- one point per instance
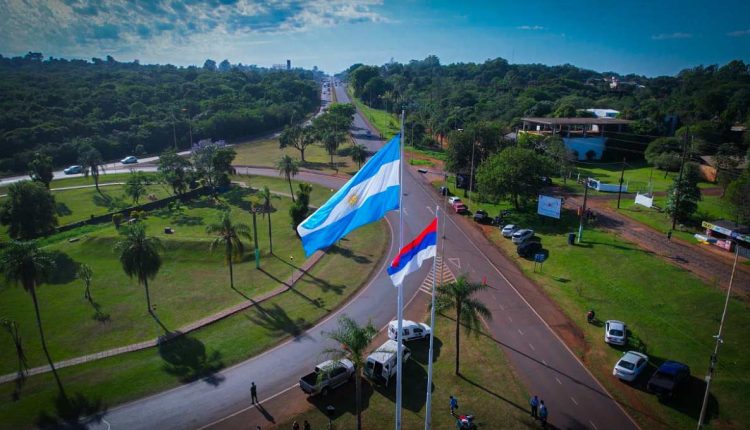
(444, 98)
(55, 106)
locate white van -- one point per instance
(381, 363)
(410, 330)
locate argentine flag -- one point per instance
(372, 192)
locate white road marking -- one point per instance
(502, 308)
(532, 347)
(558, 380)
(510, 319)
(544, 362)
(520, 332)
(455, 261)
(593, 425)
(429, 208)
(574, 400)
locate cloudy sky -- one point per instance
(645, 37)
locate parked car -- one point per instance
(668, 377)
(327, 376)
(528, 249)
(482, 216)
(410, 330)
(453, 200)
(380, 365)
(615, 332)
(630, 366)
(130, 159)
(509, 229)
(72, 170)
(444, 191)
(522, 235)
(460, 208)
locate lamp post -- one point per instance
(291, 263)
(254, 211)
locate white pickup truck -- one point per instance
(327, 375)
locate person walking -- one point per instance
(295, 426)
(534, 403)
(669, 235)
(306, 426)
(453, 404)
(254, 393)
(543, 413)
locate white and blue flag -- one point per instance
(372, 192)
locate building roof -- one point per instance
(577, 121)
(711, 161)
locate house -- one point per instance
(709, 167)
(584, 136)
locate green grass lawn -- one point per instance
(487, 389)
(200, 354)
(637, 176)
(671, 313)
(266, 153)
(387, 124)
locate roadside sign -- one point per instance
(539, 258)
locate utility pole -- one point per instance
(583, 209)
(255, 238)
(471, 174)
(619, 190)
(719, 341)
(679, 179)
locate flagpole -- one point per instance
(400, 302)
(428, 410)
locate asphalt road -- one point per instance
(575, 399)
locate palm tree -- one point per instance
(139, 256)
(331, 142)
(459, 296)
(265, 196)
(229, 234)
(92, 163)
(359, 155)
(354, 340)
(288, 167)
(85, 274)
(25, 263)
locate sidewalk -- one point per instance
(287, 285)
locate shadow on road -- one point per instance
(494, 394)
(70, 411)
(186, 358)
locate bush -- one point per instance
(117, 220)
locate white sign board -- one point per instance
(549, 206)
(644, 200)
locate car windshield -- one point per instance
(626, 365)
(663, 375)
(615, 332)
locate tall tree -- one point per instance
(91, 160)
(682, 198)
(40, 169)
(85, 274)
(359, 155)
(289, 168)
(737, 196)
(562, 157)
(459, 296)
(140, 256)
(29, 210)
(229, 235)
(24, 263)
(135, 186)
(331, 142)
(728, 157)
(265, 196)
(515, 172)
(301, 207)
(297, 137)
(353, 340)
(213, 164)
(174, 170)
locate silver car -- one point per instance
(522, 235)
(508, 230)
(615, 332)
(630, 366)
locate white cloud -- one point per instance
(530, 27)
(739, 33)
(668, 36)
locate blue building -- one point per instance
(586, 137)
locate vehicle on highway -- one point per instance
(410, 330)
(509, 229)
(327, 375)
(460, 208)
(522, 235)
(481, 216)
(615, 332)
(454, 199)
(130, 159)
(668, 377)
(72, 170)
(380, 365)
(630, 366)
(528, 249)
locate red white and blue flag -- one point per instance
(410, 258)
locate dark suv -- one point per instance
(528, 249)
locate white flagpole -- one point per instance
(400, 303)
(428, 410)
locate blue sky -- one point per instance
(643, 37)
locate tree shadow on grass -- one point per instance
(236, 197)
(62, 209)
(99, 316)
(186, 358)
(307, 277)
(75, 412)
(420, 350)
(344, 399)
(65, 268)
(276, 320)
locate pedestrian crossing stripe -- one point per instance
(444, 275)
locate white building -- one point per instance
(604, 113)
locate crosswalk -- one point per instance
(444, 275)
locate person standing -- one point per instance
(669, 235)
(306, 426)
(254, 393)
(453, 404)
(295, 426)
(543, 413)
(534, 403)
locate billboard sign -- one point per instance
(644, 200)
(549, 206)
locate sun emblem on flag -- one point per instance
(353, 200)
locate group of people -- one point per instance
(538, 410)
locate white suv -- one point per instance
(411, 330)
(522, 235)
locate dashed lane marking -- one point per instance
(593, 425)
(558, 380)
(510, 319)
(532, 347)
(574, 400)
(520, 332)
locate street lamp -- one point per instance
(291, 262)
